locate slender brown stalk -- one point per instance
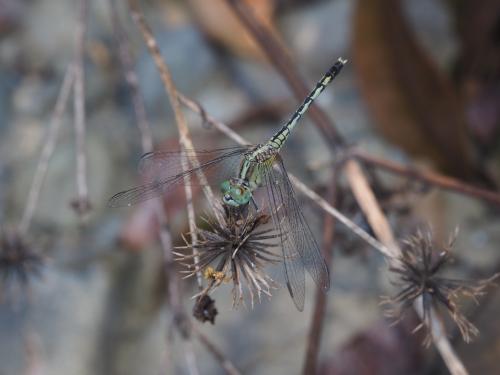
(428, 177)
(279, 57)
(187, 144)
(140, 112)
(81, 204)
(181, 320)
(316, 328)
(47, 150)
(184, 136)
(131, 79)
(172, 279)
(216, 352)
(369, 204)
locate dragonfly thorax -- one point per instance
(262, 153)
(236, 192)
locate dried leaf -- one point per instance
(221, 25)
(413, 103)
(479, 67)
(380, 349)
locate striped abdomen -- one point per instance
(281, 136)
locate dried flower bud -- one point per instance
(417, 276)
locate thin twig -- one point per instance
(316, 328)
(184, 136)
(366, 200)
(196, 107)
(47, 150)
(140, 113)
(370, 206)
(81, 204)
(429, 177)
(216, 352)
(172, 279)
(192, 222)
(279, 57)
(131, 79)
(181, 320)
(187, 144)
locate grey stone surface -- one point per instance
(100, 308)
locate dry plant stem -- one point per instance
(131, 79)
(370, 206)
(190, 358)
(186, 143)
(184, 136)
(216, 352)
(192, 222)
(195, 107)
(315, 330)
(82, 202)
(172, 279)
(279, 57)
(367, 200)
(139, 109)
(47, 150)
(429, 177)
(174, 294)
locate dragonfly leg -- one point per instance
(254, 203)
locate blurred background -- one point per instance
(422, 88)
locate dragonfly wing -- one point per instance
(163, 170)
(164, 165)
(300, 248)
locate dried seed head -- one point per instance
(237, 252)
(18, 261)
(204, 309)
(417, 276)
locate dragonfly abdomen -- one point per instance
(282, 135)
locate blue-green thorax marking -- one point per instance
(238, 191)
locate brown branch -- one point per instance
(316, 328)
(186, 142)
(131, 79)
(81, 204)
(429, 177)
(172, 279)
(166, 77)
(216, 352)
(47, 150)
(284, 64)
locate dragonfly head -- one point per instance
(235, 193)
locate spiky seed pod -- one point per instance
(417, 275)
(19, 262)
(238, 251)
(204, 309)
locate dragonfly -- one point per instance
(240, 171)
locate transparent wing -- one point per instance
(299, 247)
(163, 170)
(162, 165)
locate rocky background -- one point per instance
(421, 88)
